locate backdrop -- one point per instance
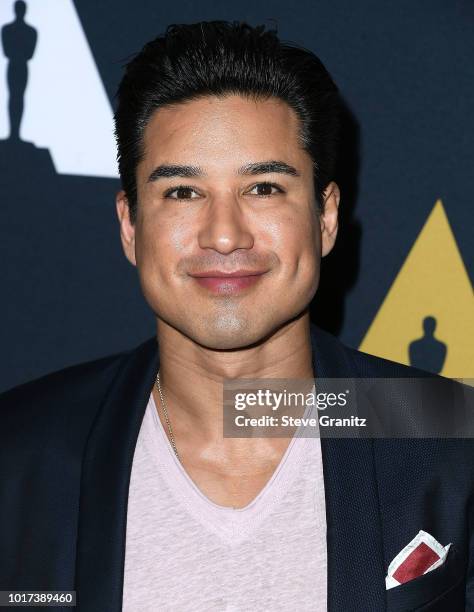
(399, 282)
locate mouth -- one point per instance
(219, 281)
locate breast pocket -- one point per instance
(440, 590)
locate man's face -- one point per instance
(225, 215)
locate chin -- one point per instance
(227, 333)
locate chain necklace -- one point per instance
(167, 419)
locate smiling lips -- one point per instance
(219, 281)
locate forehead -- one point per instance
(229, 128)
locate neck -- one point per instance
(191, 375)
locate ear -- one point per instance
(329, 218)
(127, 229)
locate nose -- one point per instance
(224, 227)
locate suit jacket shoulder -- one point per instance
(45, 427)
(63, 402)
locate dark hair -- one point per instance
(218, 58)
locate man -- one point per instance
(117, 480)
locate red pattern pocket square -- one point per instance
(419, 556)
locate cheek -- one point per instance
(178, 236)
(161, 242)
(300, 243)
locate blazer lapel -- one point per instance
(105, 482)
(356, 573)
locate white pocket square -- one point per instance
(419, 556)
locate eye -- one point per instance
(267, 188)
(182, 192)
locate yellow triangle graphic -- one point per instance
(432, 282)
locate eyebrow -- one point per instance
(265, 167)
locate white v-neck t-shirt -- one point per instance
(185, 553)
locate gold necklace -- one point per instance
(165, 412)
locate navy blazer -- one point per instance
(66, 448)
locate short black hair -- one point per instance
(218, 58)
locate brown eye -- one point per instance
(265, 189)
(182, 193)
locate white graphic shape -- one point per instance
(66, 108)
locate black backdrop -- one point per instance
(406, 72)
